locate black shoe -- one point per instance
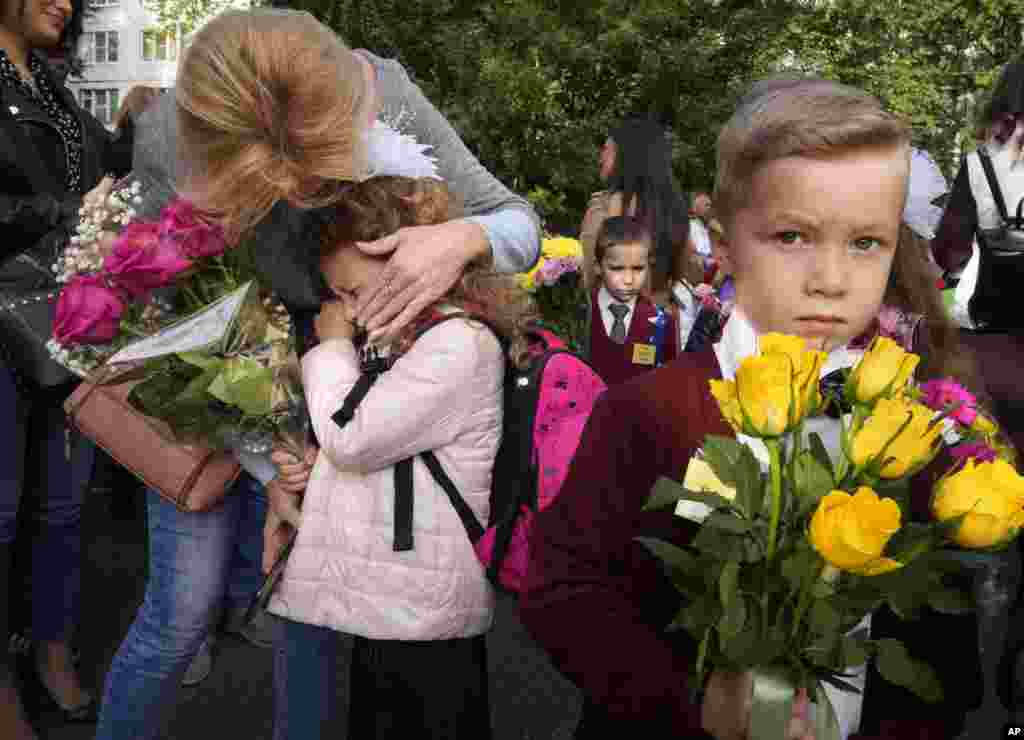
(38, 699)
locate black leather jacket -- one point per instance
(37, 213)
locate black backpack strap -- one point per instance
(403, 505)
(355, 397)
(469, 520)
(993, 183)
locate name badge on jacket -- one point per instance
(644, 354)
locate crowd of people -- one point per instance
(819, 222)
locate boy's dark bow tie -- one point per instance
(831, 387)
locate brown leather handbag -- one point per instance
(192, 477)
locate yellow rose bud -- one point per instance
(984, 425)
(764, 389)
(884, 370)
(991, 494)
(851, 532)
(916, 445)
(806, 365)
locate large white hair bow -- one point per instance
(390, 152)
(926, 184)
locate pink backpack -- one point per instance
(546, 407)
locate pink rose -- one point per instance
(141, 261)
(182, 223)
(945, 394)
(88, 312)
(976, 450)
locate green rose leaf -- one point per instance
(897, 666)
(723, 454)
(820, 454)
(726, 522)
(812, 480)
(665, 493)
(823, 618)
(674, 557)
(722, 545)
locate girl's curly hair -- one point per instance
(382, 205)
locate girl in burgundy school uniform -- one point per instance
(811, 186)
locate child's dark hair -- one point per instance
(380, 206)
(912, 288)
(618, 230)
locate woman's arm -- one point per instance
(417, 405)
(511, 224)
(37, 224)
(596, 214)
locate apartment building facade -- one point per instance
(122, 47)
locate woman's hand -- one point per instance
(427, 261)
(275, 536)
(725, 712)
(99, 193)
(285, 505)
(293, 474)
(334, 321)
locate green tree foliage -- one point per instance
(534, 86)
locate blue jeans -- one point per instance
(197, 561)
(37, 473)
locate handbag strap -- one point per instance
(993, 182)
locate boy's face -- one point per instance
(624, 270)
(812, 248)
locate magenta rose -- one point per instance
(88, 312)
(945, 394)
(979, 451)
(182, 223)
(140, 260)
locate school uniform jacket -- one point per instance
(599, 602)
(615, 362)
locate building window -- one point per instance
(104, 3)
(102, 103)
(159, 45)
(100, 47)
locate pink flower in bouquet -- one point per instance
(947, 393)
(553, 268)
(88, 312)
(980, 451)
(181, 222)
(141, 260)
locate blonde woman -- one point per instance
(266, 130)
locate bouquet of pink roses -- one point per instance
(175, 303)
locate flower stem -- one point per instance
(806, 594)
(775, 453)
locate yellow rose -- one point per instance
(562, 246)
(916, 445)
(806, 364)
(991, 494)
(883, 371)
(760, 401)
(851, 532)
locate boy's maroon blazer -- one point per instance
(614, 362)
(599, 602)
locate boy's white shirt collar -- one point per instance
(739, 341)
(604, 300)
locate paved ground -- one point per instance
(530, 700)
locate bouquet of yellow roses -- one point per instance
(789, 561)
